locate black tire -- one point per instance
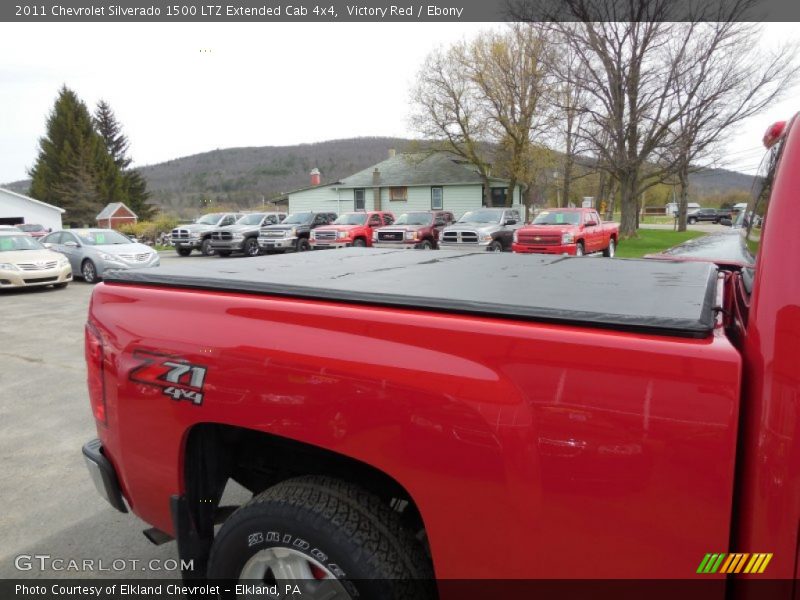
(206, 248)
(60, 286)
(495, 246)
(359, 243)
(425, 245)
(331, 523)
(580, 249)
(611, 249)
(250, 247)
(691, 220)
(223, 252)
(302, 245)
(183, 251)
(89, 271)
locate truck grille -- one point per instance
(390, 236)
(180, 234)
(538, 239)
(37, 267)
(271, 235)
(222, 235)
(325, 235)
(460, 237)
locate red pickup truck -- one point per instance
(573, 231)
(398, 416)
(350, 229)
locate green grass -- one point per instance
(651, 241)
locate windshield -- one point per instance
(11, 243)
(351, 219)
(101, 238)
(298, 218)
(557, 217)
(419, 218)
(210, 219)
(481, 216)
(31, 227)
(250, 219)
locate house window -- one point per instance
(437, 198)
(359, 199)
(498, 198)
(398, 194)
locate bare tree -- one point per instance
(728, 81)
(448, 109)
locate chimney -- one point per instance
(376, 189)
(315, 177)
(392, 152)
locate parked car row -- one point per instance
(572, 231)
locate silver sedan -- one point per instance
(91, 252)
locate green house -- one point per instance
(404, 182)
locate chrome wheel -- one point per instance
(612, 249)
(89, 271)
(284, 566)
(579, 249)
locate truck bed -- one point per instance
(648, 296)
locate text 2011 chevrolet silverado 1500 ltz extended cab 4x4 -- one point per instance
(399, 415)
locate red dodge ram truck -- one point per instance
(398, 417)
(574, 231)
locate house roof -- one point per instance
(406, 170)
(438, 168)
(112, 208)
(29, 199)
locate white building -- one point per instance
(16, 209)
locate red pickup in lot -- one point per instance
(397, 415)
(350, 229)
(574, 231)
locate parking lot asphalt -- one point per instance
(49, 504)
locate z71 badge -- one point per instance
(178, 378)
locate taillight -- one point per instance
(94, 372)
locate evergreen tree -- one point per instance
(131, 186)
(73, 169)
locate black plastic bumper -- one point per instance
(103, 474)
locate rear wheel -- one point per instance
(579, 251)
(331, 538)
(611, 249)
(359, 243)
(183, 251)
(251, 248)
(89, 271)
(691, 220)
(206, 248)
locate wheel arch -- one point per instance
(214, 453)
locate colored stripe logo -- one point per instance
(741, 562)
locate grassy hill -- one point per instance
(241, 177)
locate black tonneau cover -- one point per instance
(653, 296)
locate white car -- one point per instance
(24, 262)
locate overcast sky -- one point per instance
(181, 88)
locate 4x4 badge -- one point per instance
(178, 378)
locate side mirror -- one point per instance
(47, 244)
(71, 244)
(726, 221)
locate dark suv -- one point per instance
(293, 232)
(705, 214)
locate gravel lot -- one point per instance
(50, 506)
